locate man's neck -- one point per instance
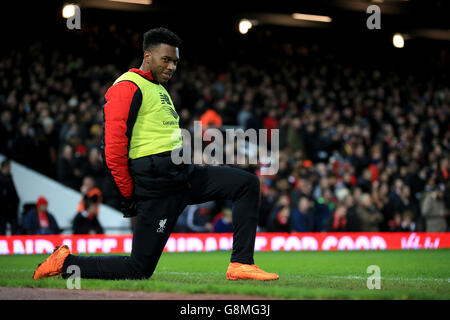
(143, 68)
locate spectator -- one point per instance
(211, 119)
(280, 217)
(444, 170)
(360, 160)
(6, 132)
(9, 200)
(323, 211)
(198, 217)
(89, 191)
(80, 161)
(447, 202)
(369, 217)
(303, 216)
(280, 221)
(434, 211)
(408, 224)
(24, 145)
(304, 189)
(365, 181)
(402, 204)
(269, 196)
(403, 222)
(380, 196)
(94, 166)
(293, 129)
(339, 219)
(47, 146)
(395, 223)
(408, 203)
(244, 115)
(270, 123)
(67, 172)
(86, 221)
(394, 204)
(39, 220)
(225, 222)
(351, 216)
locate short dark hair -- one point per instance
(155, 37)
(5, 162)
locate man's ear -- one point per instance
(147, 57)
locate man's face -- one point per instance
(88, 183)
(92, 209)
(303, 204)
(6, 170)
(162, 60)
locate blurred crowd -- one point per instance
(361, 149)
(36, 218)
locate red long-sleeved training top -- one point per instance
(123, 101)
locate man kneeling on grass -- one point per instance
(141, 131)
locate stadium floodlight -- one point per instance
(134, 1)
(311, 17)
(68, 11)
(398, 40)
(244, 26)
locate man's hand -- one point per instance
(128, 207)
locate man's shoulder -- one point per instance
(135, 76)
(121, 89)
(123, 84)
(30, 214)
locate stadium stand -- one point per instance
(362, 144)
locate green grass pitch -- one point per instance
(415, 274)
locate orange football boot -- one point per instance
(238, 270)
(52, 266)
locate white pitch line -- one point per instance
(352, 277)
(17, 270)
(349, 277)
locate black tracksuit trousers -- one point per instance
(158, 215)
